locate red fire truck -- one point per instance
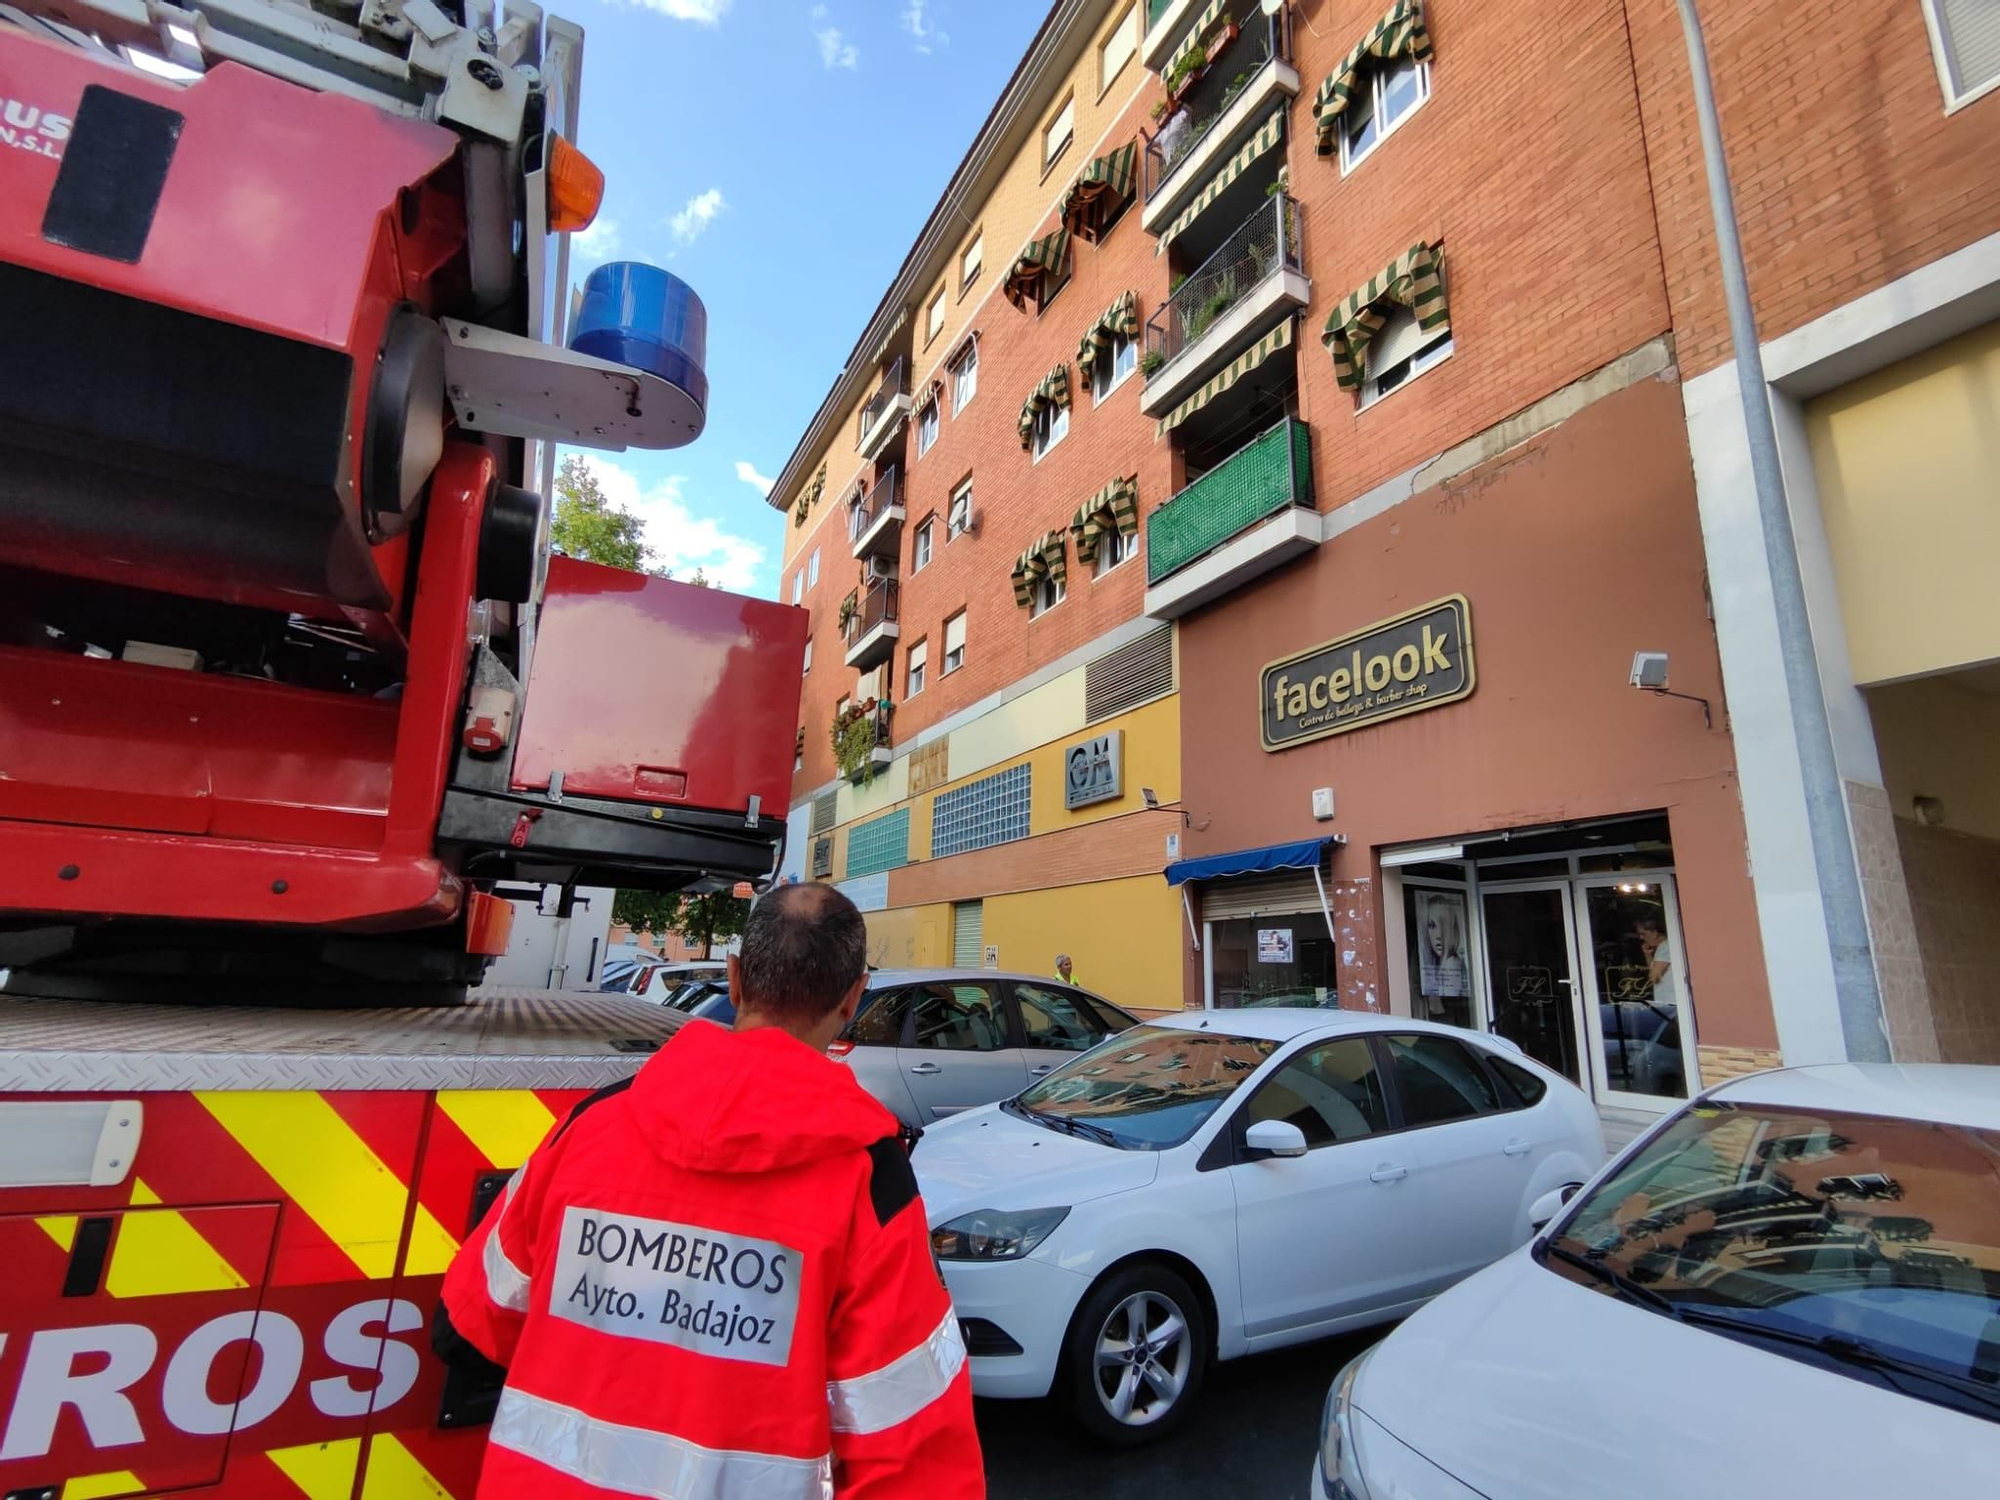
(288, 680)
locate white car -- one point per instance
(1232, 1181)
(1790, 1287)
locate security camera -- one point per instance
(1649, 670)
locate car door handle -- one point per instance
(926, 1068)
(1388, 1174)
(1517, 1147)
(1041, 1068)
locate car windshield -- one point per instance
(1146, 1089)
(1861, 1244)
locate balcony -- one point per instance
(875, 521)
(885, 412)
(1255, 278)
(1219, 111)
(1166, 23)
(862, 742)
(871, 630)
(1248, 515)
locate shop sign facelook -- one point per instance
(1402, 666)
(1094, 770)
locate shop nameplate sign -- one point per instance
(1094, 771)
(1402, 666)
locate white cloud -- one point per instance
(747, 472)
(706, 12)
(924, 34)
(696, 216)
(834, 50)
(680, 539)
(597, 244)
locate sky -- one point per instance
(780, 157)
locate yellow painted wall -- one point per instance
(1908, 466)
(1010, 216)
(1937, 739)
(1123, 936)
(1012, 729)
(1152, 759)
(910, 937)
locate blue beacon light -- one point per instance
(651, 321)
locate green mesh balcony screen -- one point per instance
(1259, 480)
(882, 844)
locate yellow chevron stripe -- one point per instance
(395, 1474)
(154, 1254)
(94, 1486)
(61, 1228)
(324, 1471)
(333, 1177)
(505, 1124)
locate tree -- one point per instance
(587, 525)
(697, 919)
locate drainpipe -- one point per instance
(1855, 990)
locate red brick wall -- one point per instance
(1848, 172)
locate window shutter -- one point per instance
(1401, 339)
(1971, 30)
(1292, 893)
(968, 948)
(954, 634)
(1136, 673)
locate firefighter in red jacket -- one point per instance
(717, 1281)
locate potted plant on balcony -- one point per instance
(1151, 361)
(847, 609)
(1186, 68)
(858, 734)
(1220, 38)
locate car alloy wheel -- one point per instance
(1145, 1351)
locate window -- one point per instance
(913, 669)
(1399, 353)
(809, 656)
(812, 570)
(927, 426)
(1051, 427)
(1056, 135)
(920, 550)
(957, 1018)
(1113, 366)
(798, 585)
(1438, 1079)
(1527, 1086)
(1052, 283)
(954, 643)
(840, 706)
(1152, 1090)
(959, 517)
(798, 760)
(1118, 48)
(934, 318)
(880, 1021)
(992, 810)
(1113, 548)
(965, 378)
(970, 260)
(1332, 1093)
(1057, 1020)
(1387, 96)
(1049, 592)
(880, 844)
(1965, 37)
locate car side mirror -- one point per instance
(1545, 1208)
(1274, 1138)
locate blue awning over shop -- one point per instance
(1302, 856)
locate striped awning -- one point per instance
(1040, 258)
(1045, 558)
(1108, 179)
(1116, 505)
(1053, 391)
(1414, 279)
(1121, 317)
(1268, 135)
(1278, 338)
(924, 394)
(1197, 34)
(1400, 33)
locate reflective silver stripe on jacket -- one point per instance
(505, 1282)
(895, 1393)
(636, 1461)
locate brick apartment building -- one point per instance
(1390, 467)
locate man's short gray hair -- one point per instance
(1061, 959)
(803, 948)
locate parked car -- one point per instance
(660, 982)
(933, 1042)
(618, 971)
(1789, 1287)
(1227, 1182)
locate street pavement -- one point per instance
(1252, 1436)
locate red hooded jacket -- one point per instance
(717, 1282)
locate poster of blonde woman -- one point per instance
(1441, 957)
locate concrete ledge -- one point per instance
(1232, 333)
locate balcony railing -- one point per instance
(1264, 244)
(1265, 475)
(1208, 99)
(894, 383)
(876, 606)
(871, 507)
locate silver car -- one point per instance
(931, 1042)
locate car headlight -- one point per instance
(1339, 1464)
(989, 1234)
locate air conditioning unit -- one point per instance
(877, 569)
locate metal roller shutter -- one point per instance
(1258, 895)
(968, 948)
